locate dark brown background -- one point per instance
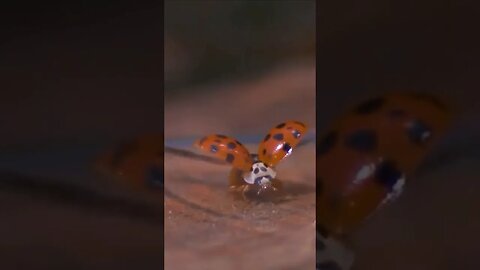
(75, 78)
(376, 46)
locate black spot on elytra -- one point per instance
(221, 136)
(264, 151)
(418, 132)
(213, 148)
(287, 147)
(388, 174)
(327, 142)
(362, 140)
(370, 106)
(239, 143)
(278, 136)
(280, 125)
(154, 177)
(231, 145)
(328, 265)
(256, 171)
(266, 137)
(296, 134)
(229, 158)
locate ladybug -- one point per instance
(253, 175)
(137, 164)
(364, 159)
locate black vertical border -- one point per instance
(162, 88)
(317, 118)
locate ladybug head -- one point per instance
(260, 174)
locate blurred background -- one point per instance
(79, 71)
(212, 41)
(76, 78)
(252, 57)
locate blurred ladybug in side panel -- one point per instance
(253, 175)
(364, 159)
(138, 163)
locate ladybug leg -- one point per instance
(277, 185)
(237, 186)
(235, 178)
(245, 190)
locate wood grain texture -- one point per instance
(205, 228)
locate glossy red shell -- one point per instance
(227, 149)
(399, 129)
(280, 141)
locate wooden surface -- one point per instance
(206, 226)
